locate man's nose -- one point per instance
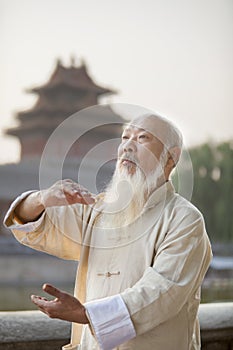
(130, 146)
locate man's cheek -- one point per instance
(120, 151)
(148, 165)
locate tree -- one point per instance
(213, 188)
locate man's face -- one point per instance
(139, 148)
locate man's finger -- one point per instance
(38, 301)
(80, 197)
(48, 288)
(87, 199)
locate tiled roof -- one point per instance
(73, 77)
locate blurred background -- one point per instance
(170, 56)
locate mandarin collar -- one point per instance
(160, 194)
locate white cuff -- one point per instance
(110, 321)
(11, 223)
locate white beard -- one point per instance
(127, 194)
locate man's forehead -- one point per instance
(148, 124)
(131, 127)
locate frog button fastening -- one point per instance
(108, 274)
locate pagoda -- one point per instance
(69, 90)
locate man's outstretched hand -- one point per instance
(64, 306)
(64, 192)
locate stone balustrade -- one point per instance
(216, 321)
(22, 330)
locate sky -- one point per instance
(170, 56)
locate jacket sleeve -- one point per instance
(58, 231)
(178, 269)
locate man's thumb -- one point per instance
(48, 288)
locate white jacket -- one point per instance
(141, 286)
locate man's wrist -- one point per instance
(30, 209)
(39, 200)
(80, 315)
(85, 316)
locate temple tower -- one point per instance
(69, 90)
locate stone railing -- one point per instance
(216, 321)
(24, 330)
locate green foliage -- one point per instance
(213, 188)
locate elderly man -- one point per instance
(143, 250)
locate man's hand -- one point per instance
(63, 192)
(66, 192)
(64, 306)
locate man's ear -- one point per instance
(173, 156)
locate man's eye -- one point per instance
(143, 136)
(125, 137)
